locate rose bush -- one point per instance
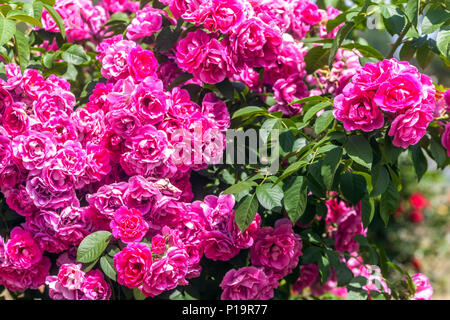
(115, 172)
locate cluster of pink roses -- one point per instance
(274, 254)
(124, 152)
(388, 89)
(254, 34)
(72, 283)
(181, 234)
(343, 223)
(82, 19)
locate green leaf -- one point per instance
(295, 198)
(412, 12)
(380, 180)
(182, 78)
(407, 51)
(310, 99)
(324, 269)
(269, 195)
(339, 39)
(21, 16)
(443, 41)
(419, 161)
(138, 295)
(394, 18)
(344, 274)
(353, 187)
(58, 20)
(314, 109)
(316, 58)
(367, 51)
(5, 8)
(167, 38)
(239, 187)
(424, 56)
(75, 55)
(329, 165)
(47, 59)
(389, 203)
(438, 153)
(93, 246)
(23, 49)
(71, 73)
(107, 265)
(49, 2)
(249, 111)
(286, 141)
(434, 19)
(367, 210)
(7, 30)
(331, 24)
(358, 148)
(226, 88)
(323, 121)
(291, 169)
(34, 9)
(246, 212)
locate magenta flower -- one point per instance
(248, 283)
(132, 264)
(128, 225)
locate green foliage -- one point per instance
(91, 248)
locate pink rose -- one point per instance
(43, 196)
(15, 119)
(158, 244)
(357, 110)
(217, 110)
(142, 63)
(61, 128)
(146, 22)
(277, 249)
(399, 93)
(5, 100)
(33, 149)
(19, 201)
(122, 122)
(142, 195)
(22, 250)
(73, 225)
(70, 276)
(424, 290)
(204, 56)
(408, 128)
(166, 273)
(224, 16)
(247, 283)
(51, 105)
(97, 162)
(114, 57)
(255, 43)
(148, 150)
(132, 264)
(128, 225)
(308, 275)
(150, 101)
(219, 246)
(95, 287)
(108, 199)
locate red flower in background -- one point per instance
(418, 201)
(416, 216)
(417, 263)
(399, 211)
